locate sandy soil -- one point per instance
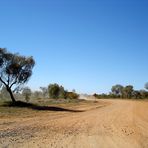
(106, 124)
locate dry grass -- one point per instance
(22, 109)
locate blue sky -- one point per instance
(87, 45)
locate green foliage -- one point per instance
(136, 94)
(144, 94)
(105, 96)
(127, 91)
(71, 95)
(117, 90)
(62, 92)
(15, 70)
(123, 92)
(56, 91)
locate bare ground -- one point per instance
(103, 124)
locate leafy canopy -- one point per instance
(15, 70)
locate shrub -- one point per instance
(71, 95)
(56, 91)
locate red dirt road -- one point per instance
(106, 124)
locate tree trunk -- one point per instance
(11, 94)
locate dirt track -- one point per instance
(106, 124)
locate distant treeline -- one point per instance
(16, 69)
(125, 92)
(53, 91)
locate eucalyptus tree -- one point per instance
(55, 91)
(15, 71)
(127, 91)
(117, 90)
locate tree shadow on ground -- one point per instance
(21, 104)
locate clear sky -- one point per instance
(87, 45)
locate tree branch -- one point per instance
(3, 82)
(13, 83)
(8, 79)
